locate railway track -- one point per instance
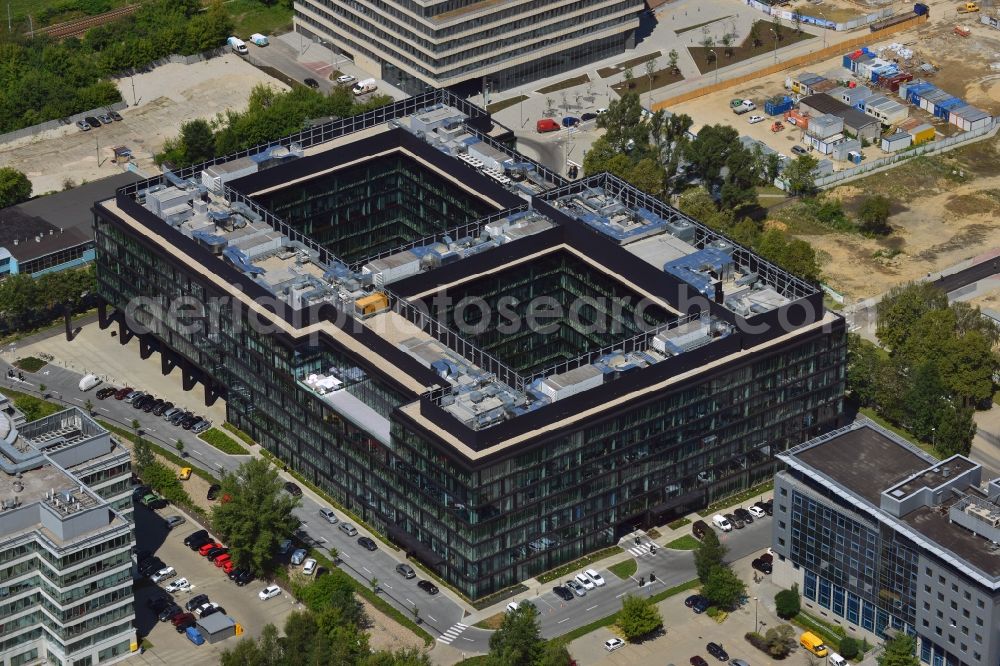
(80, 26)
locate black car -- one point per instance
(162, 407)
(367, 543)
(200, 541)
(190, 423)
(213, 491)
(716, 651)
(293, 489)
(157, 604)
(563, 593)
(698, 661)
(769, 507)
(115, 115)
(735, 520)
(151, 566)
(701, 605)
(215, 553)
(762, 566)
(235, 573)
(92, 121)
(105, 392)
(244, 578)
(170, 612)
(194, 536)
(428, 587)
(312, 83)
(140, 403)
(692, 600)
(744, 515)
(153, 405)
(196, 601)
(138, 492)
(180, 416)
(211, 610)
(588, 116)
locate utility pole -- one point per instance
(135, 102)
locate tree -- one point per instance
(629, 78)
(900, 651)
(797, 22)
(780, 640)
(864, 364)
(724, 588)
(258, 516)
(954, 431)
(179, 445)
(708, 555)
(638, 617)
(264, 651)
(787, 603)
(779, 35)
(902, 307)
(799, 176)
(755, 34)
(672, 61)
(727, 43)
(15, 187)
(707, 43)
(792, 254)
(739, 188)
(143, 454)
(517, 641)
(709, 151)
(848, 647)
(555, 654)
(44, 390)
(650, 70)
(874, 215)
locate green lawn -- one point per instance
(679, 523)
(505, 103)
(29, 364)
(250, 16)
(686, 542)
(562, 85)
(624, 569)
(32, 407)
(565, 569)
(239, 433)
(735, 500)
(223, 442)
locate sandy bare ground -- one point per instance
(167, 96)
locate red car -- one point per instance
(222, 560)
(207, 547)
(183, 617)
(228, 566)
(120, 395)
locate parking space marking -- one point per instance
(387, 586)
(621, 595)
(432, 618)
(410, 601)
(593, 607)
(542, 599)
(345, 555)
(565, 619)
(367, 569)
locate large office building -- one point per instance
(498, 369)
(417, 46)
(66, 542)
(881, 536)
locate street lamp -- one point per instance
(820, 12)
(755, 625)
(716, 55)
(775, 45)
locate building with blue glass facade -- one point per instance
(881, 536)
(488, 364)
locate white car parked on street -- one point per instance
(163, 574)
(586, 582)
(722, 522)
(597, 579)
(756, 511)
(753, 120)
(269, 592)
(613, 644)
(179, 585)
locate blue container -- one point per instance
(773, 108)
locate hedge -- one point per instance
(223, 442)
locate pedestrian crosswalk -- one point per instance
(452, 633)
(639, 551)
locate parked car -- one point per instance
(428, 587)
(767, 506)
(194, 636)
(151, 407)
(133, 395)
(753, 120)
(122, 393)
(701, 605)
(170, 413)
(601, 111)
(563, 592)
(767, 557)
(309, 567)
(293, 489)
(221, 560)
(716, 651)
(406, 571)
(737, 523)
(105, 118)
(744, 515)
(328, 515)
(587, 116)
(160, 409)
(83, 125)
(203, 550)
(187, 424)
(196, 601)
(213, 491)
(578, 590)
(151, 565)
(692, 600)
(585, 582)
(699, 528)
(106, 392)
(228, 566)
(546, 125)
(613, 644)
(348, 529)
(799, 150)
(234, 573)
(153, 502)
(244, 578)
(170, 612)
(183, 621)
(512, 606)
(212, 610)
(174, 521)
(199, 542)
(115, 115)
(163, 574)
(92, 121)
(179, 585)
(756, 511)
(216, 553)
(298, 556)
(312, 83)
(698, 661)
(722, 522)
(345, 78)
(762, 566)
(269, 592)
(595, 577)
(570, 121)
(201, 427)
(367, 543)
(158, 604)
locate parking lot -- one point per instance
(241, 603)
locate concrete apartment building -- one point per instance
(66, 542)
(490, 450)
(417, 45)
(881, 536)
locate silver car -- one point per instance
(576, 587)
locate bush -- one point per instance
(787, 603)
(29, 364)
(712, 612)
(849, 648)
(223, 442)
(756, 640)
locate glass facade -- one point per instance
(447, 43)
(489, 525)
(360, 211)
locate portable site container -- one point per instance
(897, 141)
(930, 98)
(922, 133)
(913, 90)
(943, 109)
(825, 126)
(861, 63)
(826, 85)
(824, 146)
(803, 80)
(893, 83)
(855, 96)
(798, 118)
(778, 105)
(969, 117)
(843, 149)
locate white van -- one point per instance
(259, 39)
(722, 523)
(836, 660)
(238, 45)
(89, 382)
(364, 87)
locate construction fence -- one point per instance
(844, 26)
(805, 59)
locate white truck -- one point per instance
(238, 45)
(745, 107)
(364, 87)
